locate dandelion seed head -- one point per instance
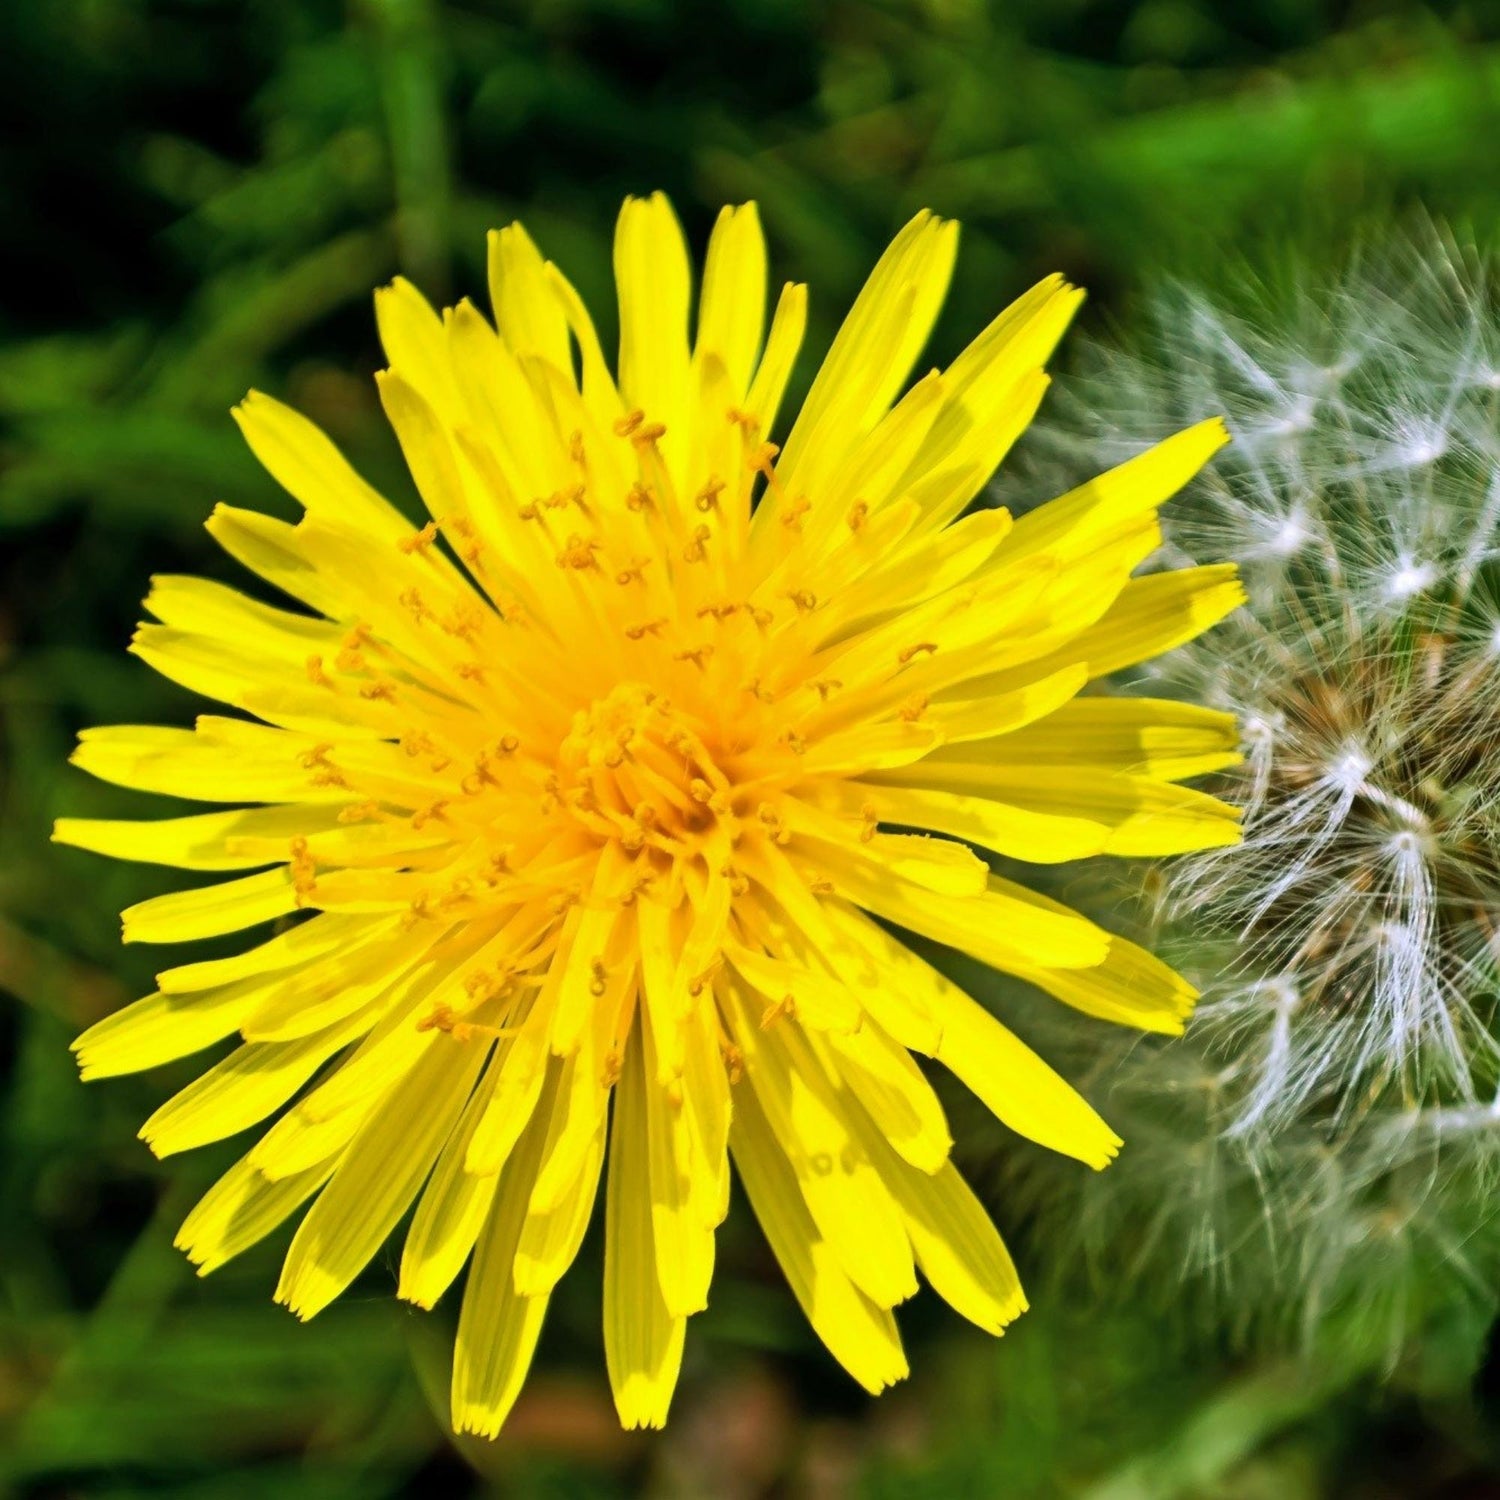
(1349, 950)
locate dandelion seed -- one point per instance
(1347, 950)
(1411, 578)
(592, 829)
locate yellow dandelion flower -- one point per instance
(587, 790)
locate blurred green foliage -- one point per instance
(197, 197)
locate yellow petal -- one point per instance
(322, 993)
(1012, 1081)
(211, 910)
(1156, 614)
(322, 934)
(241, 1209)
(161, 1028)
(682, 1235)
(513, 1104)
(382, 1169)
(269, 547)
(416, 347)
(819, 1000)
(890, 1086)
(959, 1250)
(497, 1329)
(655, 285)
(179, 763)
(642, 1340)
(1000, 926)
(845, 1196)
(732, 308)
(551, 1236)
(1131, 987)
(1135, 736)
(243, 1089)
(858, 1332)
(1046, 815)
(932, 1015)
(452, 1209)
(1131, 489)
(788, 324)
(872, 354)
(196, 843)
(528, 312)
(301, 459)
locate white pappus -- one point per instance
(1329, 1127)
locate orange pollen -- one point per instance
(419, 541)
(695, 549)
(578, 553)
(786, 1006)
(464, 622)
(772, 822)
(425, 815)
(303, 869)
(763, 460)
(792, 516)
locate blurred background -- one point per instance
(197, 197)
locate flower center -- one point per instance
(639, 771)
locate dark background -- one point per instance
(198, 197)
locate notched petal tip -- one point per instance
(1109, 1152)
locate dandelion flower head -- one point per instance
(577, 805)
